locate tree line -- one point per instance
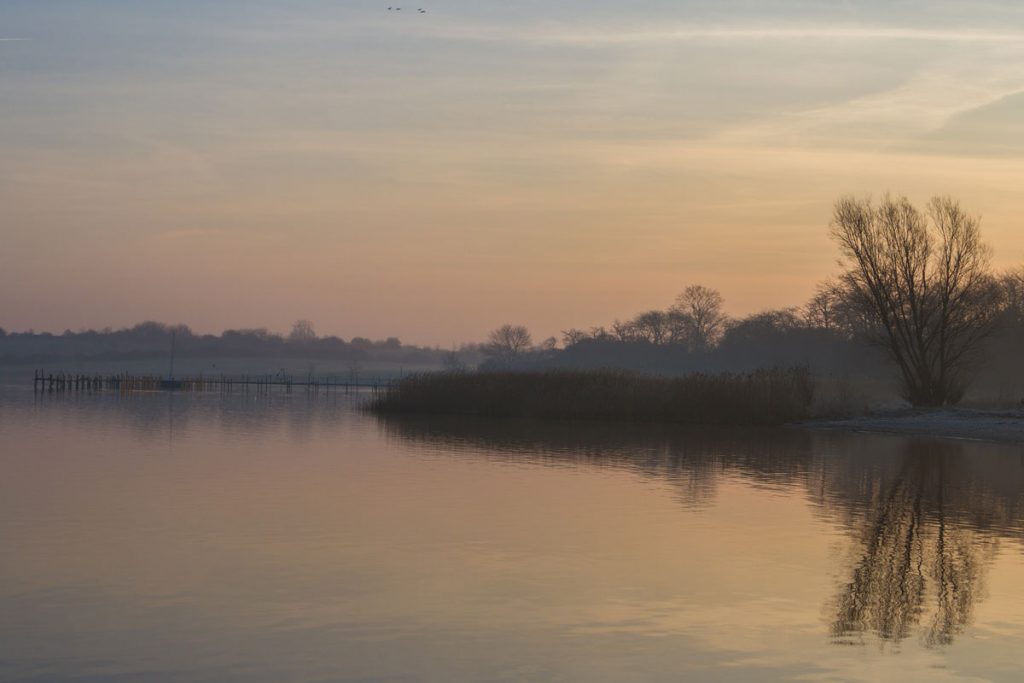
(152, 340)
(916, 298)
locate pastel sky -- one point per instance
(431, 176)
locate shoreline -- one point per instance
(976, 424)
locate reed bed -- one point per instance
(770, 396)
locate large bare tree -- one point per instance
(923, 280)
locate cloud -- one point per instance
(808, 32)
(923, 103)
(631, 32)
(558, 34)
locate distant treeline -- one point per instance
(152, 340)
(696, 335)
(669, 342)
(765, 340)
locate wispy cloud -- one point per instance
(631, 33)
(13, 40)
(806, 32)
(559, 34)
(923, 102)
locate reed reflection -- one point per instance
(691, 458)
(924, 516)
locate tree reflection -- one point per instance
(925, 514)
(916, 563)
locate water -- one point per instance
(165, 537)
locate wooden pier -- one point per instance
(65, 382)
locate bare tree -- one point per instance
(831, 308)
(623, 331)
(679, 327)
(820, 311)
(302, 331)
(781, 319)
(507, 342)
(652, 326)
(923, 280)
(1012, 284)
(702, 308)
(573, 336)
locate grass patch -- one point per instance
(772, 396)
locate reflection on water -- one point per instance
(920, 555)
(926, 514)
(692, 459)
(231, 538)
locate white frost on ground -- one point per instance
(962, 423)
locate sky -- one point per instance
(434, 175)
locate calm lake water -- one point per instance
(164, 537)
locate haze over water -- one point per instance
(163, 537)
